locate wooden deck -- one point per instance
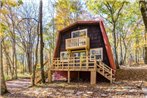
(82, 64)
(79, 64)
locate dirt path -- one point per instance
(15, 88)
(124, 89)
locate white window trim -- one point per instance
(63, 60)
(77, 31)
(94, 49)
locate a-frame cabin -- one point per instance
(83, 47)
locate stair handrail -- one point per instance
(113, 70)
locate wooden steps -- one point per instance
(105, 71)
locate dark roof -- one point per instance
(78, 23)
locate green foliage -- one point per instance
(3, 28)
(109, 9)
(24, 75)
(12, 3)
(20, 2)
(126, 17)
(67, 12)
(7, 77)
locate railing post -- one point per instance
(111, 76)
(57, 63)
(87, 62)
(103, 70)
(95, 65)
(80, 63)
(68, 63)
(73, 62)
(62, 64)
(78, 41)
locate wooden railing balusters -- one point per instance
(74, 63)
(103, 70)
(62, 64)
(68, 63)
(80, 63)
(87, 64)
(100, 67)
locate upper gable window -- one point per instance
(79, 33)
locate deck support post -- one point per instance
(68, 76)
(78, 75)
(93, 77)
(49, 76)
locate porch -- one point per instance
(82, 64)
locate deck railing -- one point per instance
(77, 43)
(81, 63)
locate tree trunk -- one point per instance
(145, 56)
(115, 46)
(41, 43)
(143, 9)
(36, 58)
(29, 61)
(3, 88)
(9, 62)
(125, 55)
(14, 53)
(121, 54)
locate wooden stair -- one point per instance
(105, 71)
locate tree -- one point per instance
(3, 88)
(26, 32)
(41, 42)
(128, 32)
(3, 28)
(68, 11)
(143, 9)
(36, 58)
(12, 33)
(111, 11)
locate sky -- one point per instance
(37, 1)
(47, 8)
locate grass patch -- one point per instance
(25, 75)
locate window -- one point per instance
(79, 33)
(79, 54)
(64, 56)
(98, 52)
